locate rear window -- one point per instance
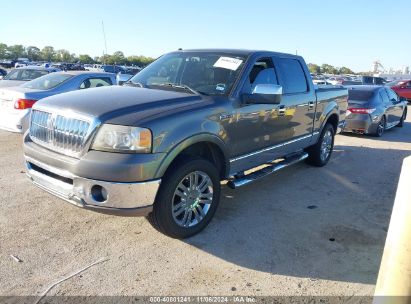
(47, 82)
(360, 95)
(25, 74)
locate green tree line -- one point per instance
(49, 54)
(328, 69)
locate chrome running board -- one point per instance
(249, 178)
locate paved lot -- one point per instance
(263, 241)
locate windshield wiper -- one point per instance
(134, 84)
(181, 86)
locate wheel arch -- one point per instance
(207, 146)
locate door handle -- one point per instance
(311, 105)
(281, 110)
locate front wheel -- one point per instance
(187, 200)
(320, 153)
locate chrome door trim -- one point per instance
(273, 147)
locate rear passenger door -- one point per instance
(396, 108)
(298, 102)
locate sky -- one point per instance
(341, 33)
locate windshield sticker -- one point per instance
(220, 87)
(228, 63)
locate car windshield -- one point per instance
(209, 73)
(25, 74)
(358, 95)
(47, 82)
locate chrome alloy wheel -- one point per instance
(326, 145)
(381, 126)
(192, 199)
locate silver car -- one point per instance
(21, 75)
(374, 109)
(16, 102)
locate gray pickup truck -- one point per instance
(161, 145)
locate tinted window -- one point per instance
(47, 82)
(384, 96)
(95, 83)
(358, 95)
(379, 80)
(292, 76)
(392, 95)
(409, 84)
(25, 74)
(367, 80)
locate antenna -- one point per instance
(104, 36)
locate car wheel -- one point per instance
(381, 127)
(403, 117)
(320, 153)
(187, 199)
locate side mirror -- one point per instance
(264, 94)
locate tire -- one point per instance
(320, 153)
(404, 115)
(177, 212)
(381, 127)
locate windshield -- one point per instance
(208, 73)
(47, 82)
(25, 74)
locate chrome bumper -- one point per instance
(126, 199)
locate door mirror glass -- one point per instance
(265, 94)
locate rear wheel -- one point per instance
(187, 200)
(404, 115)
(320, 153)
(381, 127)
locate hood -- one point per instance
(120, 105)
(10, 83)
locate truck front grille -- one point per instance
(66, 135)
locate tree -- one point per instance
(33, 53)
(85, 59)
(48, 53)
(328, 69)
(345, 70)
(314, 68)
(3, 51)
(16, 51)
(118, 58)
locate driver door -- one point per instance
(258, 128)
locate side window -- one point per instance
(384, 96)
(95, 82)
(392, 95)
(379, 81)
(408, 84)
(263, 72)
(292, 76)
(367, 80)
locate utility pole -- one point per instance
(104, 36)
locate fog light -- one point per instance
(98, 193)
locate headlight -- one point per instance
(116, 138)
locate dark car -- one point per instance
(161, 144)
(2, 73)
(402, 88)
(374, 109)
(365, 80)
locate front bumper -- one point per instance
(117, 198)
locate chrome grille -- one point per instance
(63, 134)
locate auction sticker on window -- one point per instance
(228, 63)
